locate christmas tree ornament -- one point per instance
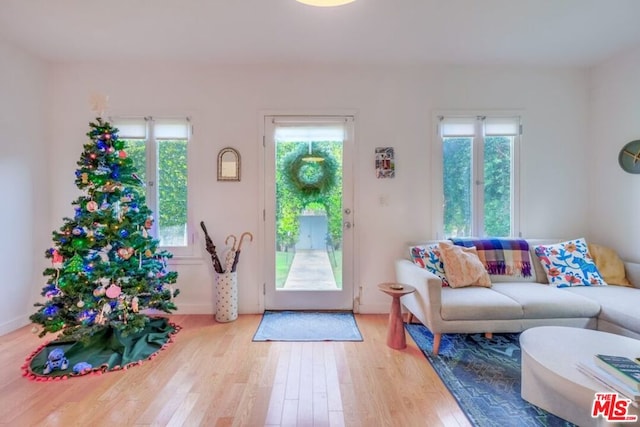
(135, 304)
(74, 265)
(113, 291)
(99, 291)
(92, 206)
(125, 253)
(79, 243)
(57, 259)
(80, 303)
(122, 154)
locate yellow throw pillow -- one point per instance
(609, 264)
(462, 266)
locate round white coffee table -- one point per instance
(550, 379)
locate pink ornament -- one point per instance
(92, 206)
(58, 260)
(125, 253)
(114, 291)
(122, 154)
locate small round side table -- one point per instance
(395, 333)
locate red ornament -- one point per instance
(122, 154)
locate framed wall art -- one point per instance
(385, 163)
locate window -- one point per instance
(159, 148)
(479, 175)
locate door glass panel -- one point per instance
(308, 217)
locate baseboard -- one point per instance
(374, 308)
(13, 324)
(194, 309)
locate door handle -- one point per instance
(347, 225)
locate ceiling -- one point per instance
(519, 32)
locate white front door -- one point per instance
(308, 212)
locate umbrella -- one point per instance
(229, 256)
(211, 248)
(237, 255)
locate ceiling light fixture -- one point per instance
(325, 3)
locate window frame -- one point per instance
(152, 175)
(477, 171)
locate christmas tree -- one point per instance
(107, 271)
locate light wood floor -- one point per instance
(214, 375)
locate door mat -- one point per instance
(307, 326)
(484, 377)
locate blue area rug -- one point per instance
(484, 377)
(307, 326)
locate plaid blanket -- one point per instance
(503, 257)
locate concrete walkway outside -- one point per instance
(311, 271)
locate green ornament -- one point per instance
(74, 265)
(118, 144)
(99, 179)
(79, 243)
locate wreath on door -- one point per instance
(310, 172)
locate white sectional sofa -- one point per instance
(513, 304)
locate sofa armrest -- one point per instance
(426, 301)
(632, 271)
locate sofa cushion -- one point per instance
(609, 264)
(462, 266)
(428, 256)
(477, 303)
(618, 304)
(541, 301)
(569, 264)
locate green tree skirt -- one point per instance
(107, 350)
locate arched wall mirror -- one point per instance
(228, 165)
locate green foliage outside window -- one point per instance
(458, 186)
(292, 200)
(172, 190)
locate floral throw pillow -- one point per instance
(569, 264)
(429, 257)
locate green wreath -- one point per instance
(310, 174)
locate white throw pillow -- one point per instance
(462, 266)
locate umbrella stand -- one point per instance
(227, 286)
(226, 296)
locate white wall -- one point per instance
(615, 120)
(24, 215)
(394, 108)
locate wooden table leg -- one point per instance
(395, 334)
